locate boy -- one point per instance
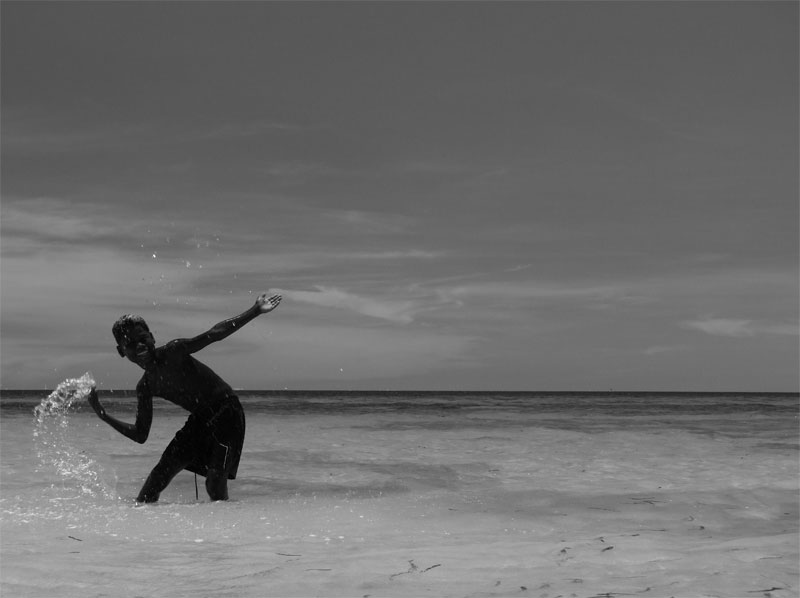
(210, 443)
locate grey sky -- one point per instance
(521, 195)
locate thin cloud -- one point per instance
(401, 312)
(31, 130)
(409, 254)
(50, 225)
(325, 353)
(299, 171)
(535, 290)
(739, 328)
(30, 133)
(251, 129)
(33, 223)
(371, 222)
(660, 349)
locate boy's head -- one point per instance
(126, 330)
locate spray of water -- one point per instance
(81, 475)
(70, 392)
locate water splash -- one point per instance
(70, 392)
(80, 473)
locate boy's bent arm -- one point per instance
(227, 327)
(138, 431)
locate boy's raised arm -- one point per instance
(227, 327)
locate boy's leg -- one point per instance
(176, 457)
(159, 479)
(217, 484)
(226, 439)
(218, 468)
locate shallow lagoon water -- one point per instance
(413, 494)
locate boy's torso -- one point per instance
(181, 379)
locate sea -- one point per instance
(366, 494)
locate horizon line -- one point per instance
(447, 391)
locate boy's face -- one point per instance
(138, 345)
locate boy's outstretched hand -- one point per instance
(266, 305)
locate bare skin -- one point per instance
(171, 373)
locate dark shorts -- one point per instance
(212, 438)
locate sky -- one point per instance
(533, 196)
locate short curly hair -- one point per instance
(125, 323)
